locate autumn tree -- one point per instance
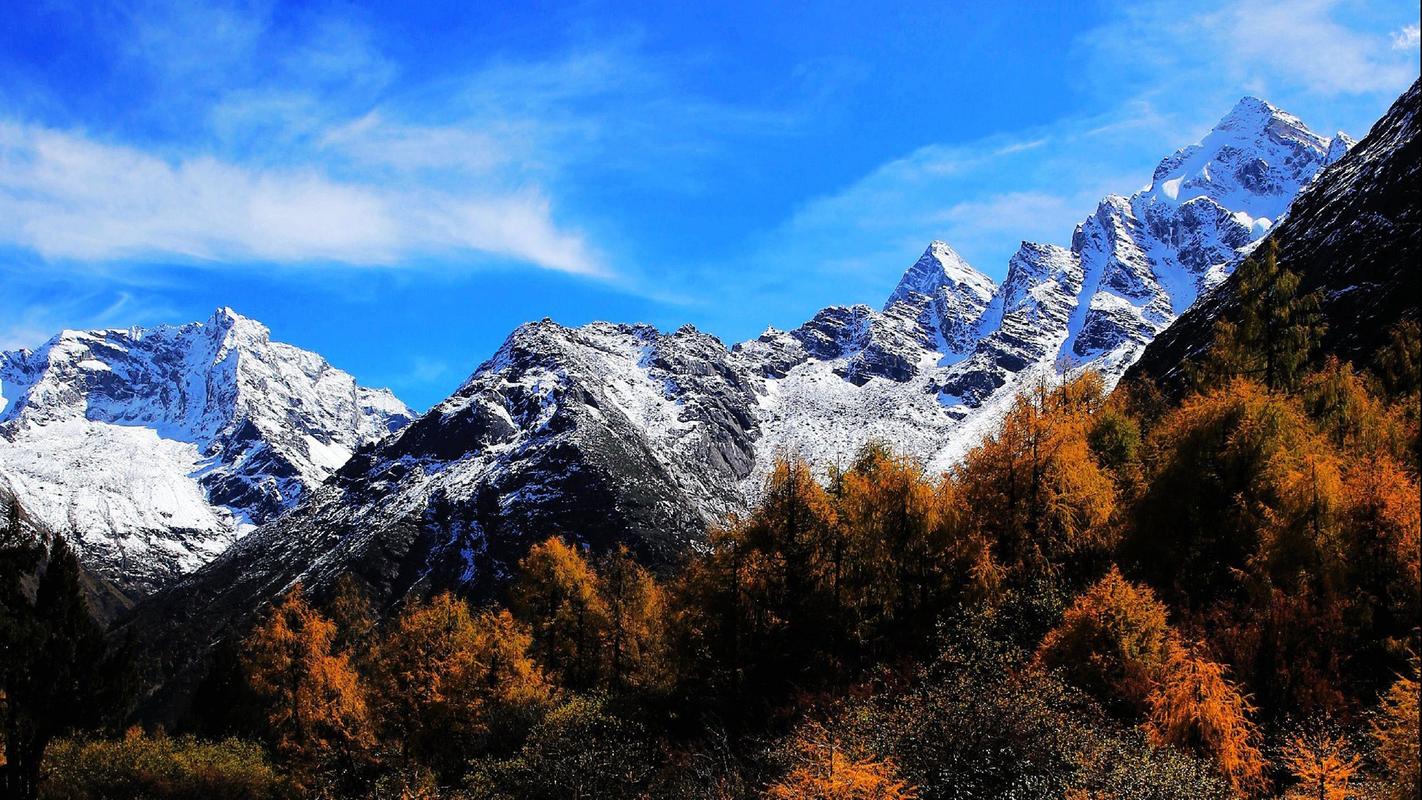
(448, 683)
(1114, 642)
(350, 609)
(1214, 469)
(635, 639)
(1383, 537)
(557, 596)
(893, 538)
(1041, 498)
(316, 710)
(1396, 731)
(824, 768)
(1197, 707)
(756, 613)
(1323, 766)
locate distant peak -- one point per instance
(1339, 146)
(1254, 117)
(225, 319)
(224, 315)
(940, 268)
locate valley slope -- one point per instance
(154, 449)
(620, 433)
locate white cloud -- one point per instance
(68, 197)
(1316, 46)
(1408, 38)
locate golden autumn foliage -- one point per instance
(635, 638)
(1396, 732)
(1051, 499)
(1115, 642)
(1197, 707)
(557, 595)
(1216, 466)
(445, 679)
(888, 554)
(594, 626)
(824, 770)
(1323, 766)
(316, 709)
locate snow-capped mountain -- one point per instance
(616, 433)
(155, 448)
(953, 349)
(1354, 235)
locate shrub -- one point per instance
(159, 767)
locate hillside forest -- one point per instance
(1206, 591)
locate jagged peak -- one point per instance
(1339, 146)
(225, 320)
(939, 268)
(1254, 118)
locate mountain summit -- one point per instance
(154, 447)
(621, 433)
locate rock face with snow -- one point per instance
(612, 433)
(1354, 234)
(155, 448)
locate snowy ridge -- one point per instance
(616, 433)
(155, 448)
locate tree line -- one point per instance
(1115, 595)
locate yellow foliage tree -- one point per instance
(1114, 641)
(446, 680)
(1396, 731)
(316, 708)
(825, 770)
(557, 596)
(893, 535)
(1322, 765)
(1195, 706)
(635, 636)
(1044, 497)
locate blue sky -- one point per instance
(397, 189)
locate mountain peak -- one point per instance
(160, 445)
(1253, 161)
(938, 271)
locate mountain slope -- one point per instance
(614, 433)
(155, 448)
(1355, 234)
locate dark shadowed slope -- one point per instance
(1355, 234)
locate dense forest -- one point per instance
(1213, 593)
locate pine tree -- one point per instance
(557, 596)
(53, 655)
(1277, 329)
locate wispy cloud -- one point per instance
(1313, 46)
(1161, 74)
(39, 318)
(1407, 38)
(67, 196)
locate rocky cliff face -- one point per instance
(153, 449)
(1354, 233)
(613, 433)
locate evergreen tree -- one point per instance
(53, 655)
(1277, 329)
